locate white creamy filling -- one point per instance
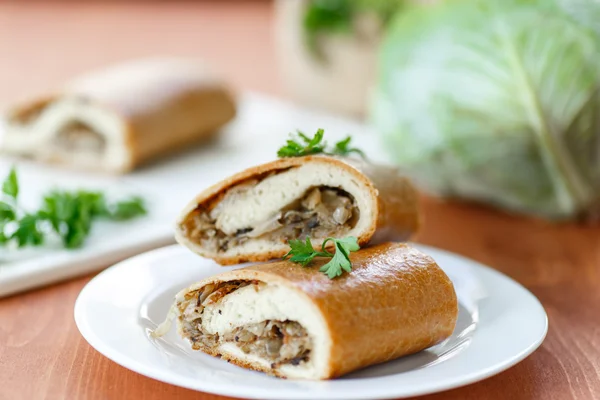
(247, 305)
(252, 304)
(106, 124)
(41, 133)
(251, 207)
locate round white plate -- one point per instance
(499, 324)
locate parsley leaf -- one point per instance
(69, 214)
(341, 259)
(303, 145)
(7, 212)
(127, 209)
(322, 16)
(10, 186)
(28, 231)
(347, 244)
(342, 148)
(303, 253)
(327, 17)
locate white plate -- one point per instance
(261, 126)
(500, 323)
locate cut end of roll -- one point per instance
(123, 116)
(294, 322)
(69, 130)
(256, 325)
(253, 215)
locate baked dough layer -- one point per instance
(121, 117)
(246, 213)
(396, 301)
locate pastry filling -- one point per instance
(79, 137)
(277, 342)
(322, 211)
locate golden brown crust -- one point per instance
(396, 217)
(168, 104)
(395, 302)
(23, 112)
(164, 104)
(191, 119)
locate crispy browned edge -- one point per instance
(396, 301)
(26, 107)
(396, 216)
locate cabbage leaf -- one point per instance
(496, 101)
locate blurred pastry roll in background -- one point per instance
(118, 118)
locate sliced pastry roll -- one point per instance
(118, 118)
(295, 322)
(251, 216)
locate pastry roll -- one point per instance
(295, 322)
(118, 118)
(252, 215)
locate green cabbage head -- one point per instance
(495, 101)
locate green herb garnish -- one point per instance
(327, 17)
(302, 145)
(10, 186)
(69, 214)
(303, 253)
(342, 148)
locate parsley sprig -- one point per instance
(68, 214)
(327, 17)
(342, 148)
(303, 253)
(302, 145)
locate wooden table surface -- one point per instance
(43, 356)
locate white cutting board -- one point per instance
(261, 127)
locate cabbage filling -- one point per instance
(277, 342)
(322, 211)
(79, 137)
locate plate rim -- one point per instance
(166, 376)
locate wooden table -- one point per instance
(42, 355)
